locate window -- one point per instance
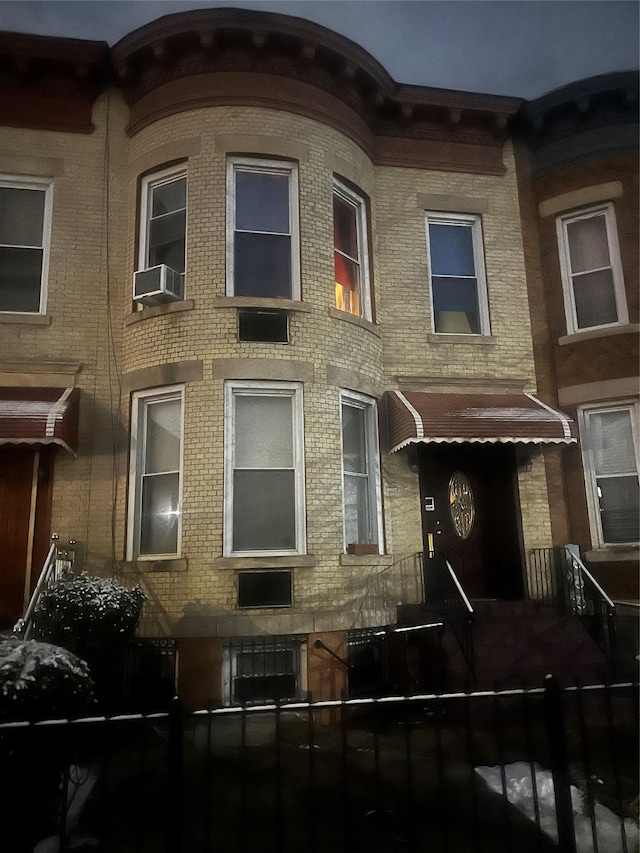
(270, 588)
(263, 326)
(591, 271)
(264, 478)
(610, 453)
(456, 264)
(351, 262)
(362, 507)
(262, 229)
(163, 220)
(155, 486)
(262, 669)
(25, 225)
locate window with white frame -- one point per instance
(592, 280)
(361, 498)
(264, 474)
(163, 220)
(457, 274)
(611, 464)
(351, 262)
(262, 229)
(155, 486)
(25, 227)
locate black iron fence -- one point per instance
(520, 770)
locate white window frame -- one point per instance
(29, 183)
(139, 402)
(293, 390)
(370, 407)
(614, 256)
(474, 222)
(588, 463)
(364, 283)
(274, 167)
(147, 185)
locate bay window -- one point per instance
(163, 220)
(351, 262)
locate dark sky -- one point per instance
(508, 47)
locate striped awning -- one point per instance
(417, 417)
(40, 416)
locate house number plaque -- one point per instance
(461, 505)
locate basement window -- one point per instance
(264, 589)
(262, 669)
(263, 326)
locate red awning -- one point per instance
(39, 416)
(416, 417)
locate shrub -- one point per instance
(79, 610)
(39, 680)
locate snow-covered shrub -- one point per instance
(39, 680)
(77, 610)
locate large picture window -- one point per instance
(155, 488)
(610, 454)
(163, 220)
(25, 225)
(362, 507)
(591, 271)
(351, 262)
(262, 229)
(264, 482)
(457, 275)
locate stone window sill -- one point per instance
(26, 319)
(604, 332)
(255, 302)
(159, 311)
(475, 340)
(356, 321)
(355, 560)
(614, 554)
(163, 564)
(298, 561)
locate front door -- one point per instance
(25, 476)
(471, 514)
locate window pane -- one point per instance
(163, 436)
(346, 272)
(264, 432)
(264, 511)
(595, 299)
(159, 514)
(455, 305)
(264, 688)
(612, 442)
(357, 521)
(21, 216)
(262, 202)
(264, 589)
(269, 661)
(354, 440)
(20, 278)
(619, 508)
(166, 241)
(588, 244)
(169, 197)
(345, 227)
(451, 250)
(262, 265)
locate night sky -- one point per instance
(508, 47)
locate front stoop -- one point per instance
(517, 643)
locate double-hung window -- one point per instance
(611, 464)
(155, 486)
(592, 278)
(163, 221)
(361, 498)
(351, 262)
(264, 477)
(457, 274)
(262, 229)
(25, 225)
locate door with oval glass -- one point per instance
(471, 515)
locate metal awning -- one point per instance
(39, 416)
(420, 417)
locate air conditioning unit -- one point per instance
(156, 285)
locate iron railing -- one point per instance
(57, 561)
(558, 576)
(519, 770)
(444, 591)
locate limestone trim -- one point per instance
(275, 146)
(474, 340)
(26, 319)
(605, 389)
(602, 332)
(354, 560)
(356, 321)
(162, 374)
(182, 149)
(622, 554)
(293, 561)
(40, 167)
(452, 203)
(141, 565)
(39, 374)
(352, 380)
(258, 302)
(159, 311)
(263, 369)
(580, 198)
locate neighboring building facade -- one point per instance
(290, 297)
(583, 144)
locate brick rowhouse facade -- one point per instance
(166, 147)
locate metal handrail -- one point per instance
(463, 595)
(24, 625)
